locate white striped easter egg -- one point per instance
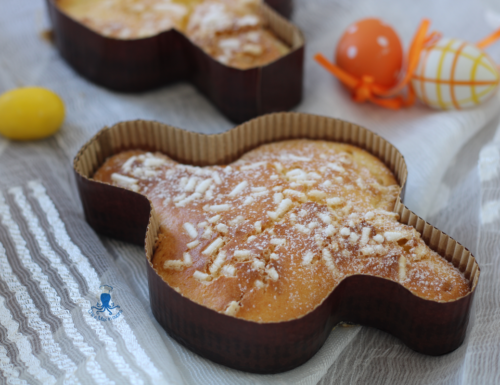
(454, 74)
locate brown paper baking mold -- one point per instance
(142, 64)
(426, 326)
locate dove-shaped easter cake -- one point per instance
(268, 237)
(241, 54)
(261, 239)
(232, 31)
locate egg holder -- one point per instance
(426, 326)
(143, 64)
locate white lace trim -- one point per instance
(22, 343)
(91, 277)
(49, 345)
(93, 367)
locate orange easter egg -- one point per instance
(371, 48)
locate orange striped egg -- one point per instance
(453, 74)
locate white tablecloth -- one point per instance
(52, 263)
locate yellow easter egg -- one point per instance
(454, 74)
(30, 113)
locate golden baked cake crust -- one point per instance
(231, 31)
(270, 236)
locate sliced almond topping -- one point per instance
(252, 49)
(296, 174)
(353, 237)
(327, 257)
(365, 235)
(216, 177)
(203, 277)
(221, 258)
(190, 229)
(248, 200)
(213, 247)
(189, 199)
(278, 197)
(214, 219)
(258, 264)
(336, 167)
(361, 184)
(238, 189)
(179, 197)
(188, 261)
(334, 201)
(203, 186)
(174, 264)
(299, 158)
(283, 207)
(221, 227)
(228, 270)
(219, 208)
(272, 273)
(125, 182)
(402, 268)
(278, 241)
(394, 236)
(367, 250)
(233, 308)
(303, 229)
(252, 166)
(242, 254)
(207, 234)
(191, 184)
(153, 162)
(236, 221)
(345, 232)
(329, 231)
(313, 225)
(379, 238)
(325, 218)
(307, 258)
(126, 167)
(192, 245)
(295, 194)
